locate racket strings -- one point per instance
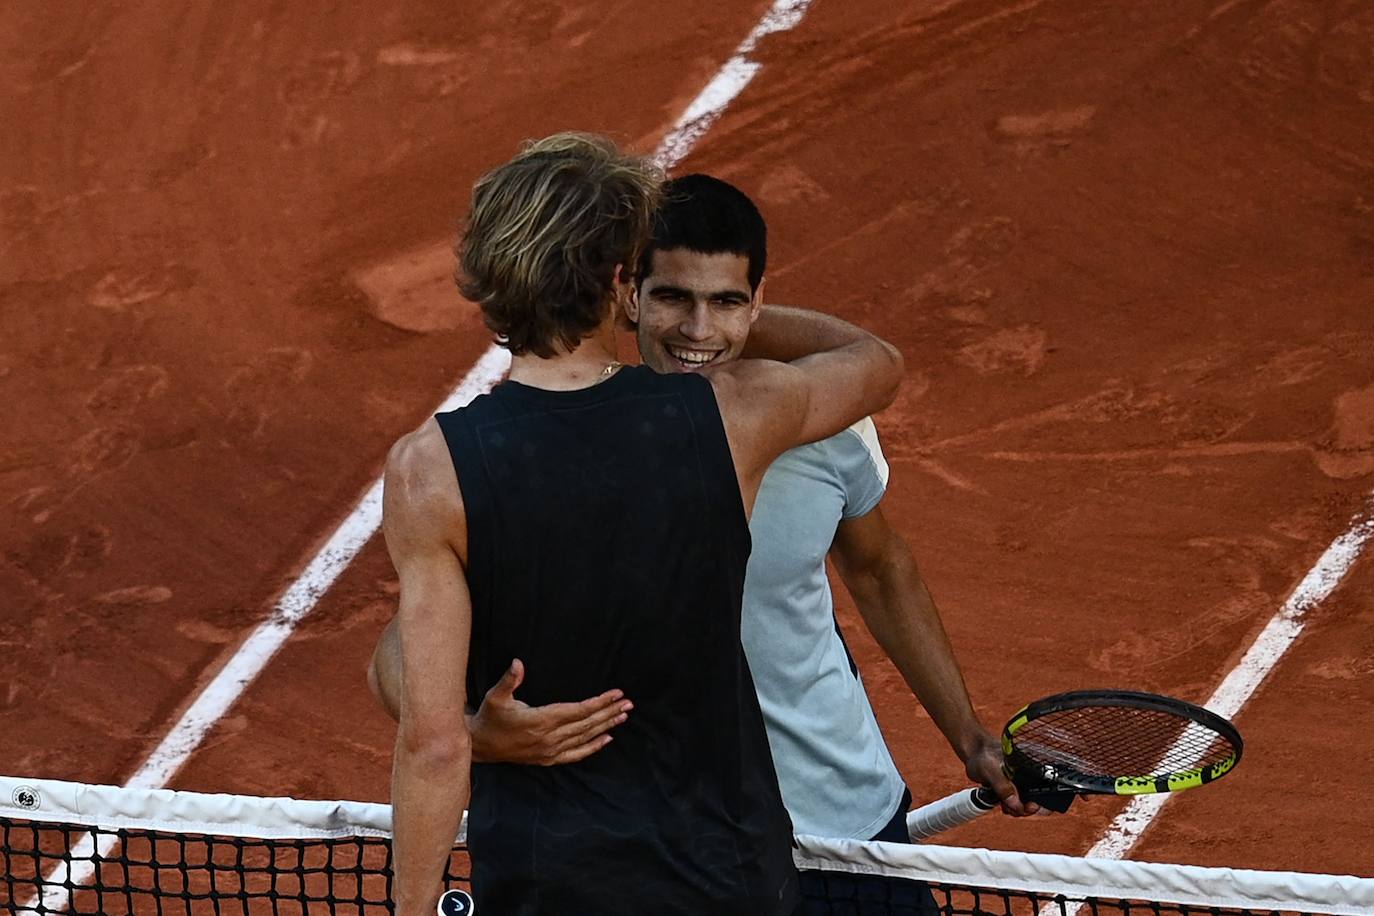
(1112, 741)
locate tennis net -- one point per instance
(68, 847)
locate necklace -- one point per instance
(609, 371)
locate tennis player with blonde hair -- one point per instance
(592, 520)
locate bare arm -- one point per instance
(785, 334)
(834, 375)
(422, 518)
(847, 373)
(878, 569)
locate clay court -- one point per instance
(1126, 249)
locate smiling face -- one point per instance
(693, 310)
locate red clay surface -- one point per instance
(1128, 251)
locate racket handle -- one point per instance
(949, 812)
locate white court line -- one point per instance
(1242, 681)
(362, 523)
(727, 84)
(257, 650)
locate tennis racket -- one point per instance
(456, 903)
(1096, 742)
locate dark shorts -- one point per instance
(839, 894)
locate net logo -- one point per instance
(456, 903)
(26, 798)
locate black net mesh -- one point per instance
(53, 868)
(839, 894)
(49, 868)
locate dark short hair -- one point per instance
(545, 233)
(710, 216)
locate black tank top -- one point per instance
(607, 544)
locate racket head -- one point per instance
(1117, 742)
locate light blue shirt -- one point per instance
(836, 774)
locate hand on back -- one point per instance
(507, 730)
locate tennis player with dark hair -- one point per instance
(592, 521)
(698, 295)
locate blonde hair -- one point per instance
(545, 233)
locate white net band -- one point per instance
(1079, 878)
(44, 801)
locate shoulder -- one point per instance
(759, 386)
(421, 486)
(850, 455)
(858, 459)
(763, 373)
(806, 455)
(416, 458)
(861, 440)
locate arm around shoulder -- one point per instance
(810, 375)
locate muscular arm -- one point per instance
(806, 376)
(846, 373)
(785, 334)
(422, 518)
(878, 569)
